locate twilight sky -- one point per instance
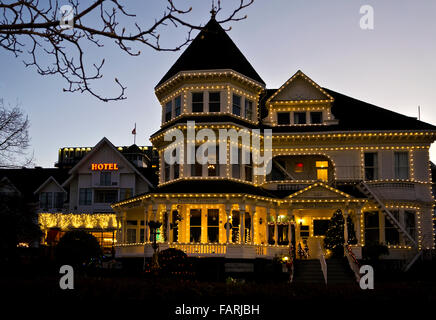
(392, 66)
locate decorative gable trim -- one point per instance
(321, 185)
(299, 73)
(50, 179)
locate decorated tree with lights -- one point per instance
(334, 238)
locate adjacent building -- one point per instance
(78, 193)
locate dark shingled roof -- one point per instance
(356, 115)
(27, 180)
(226, 186)
(212, 49)
(211, 186)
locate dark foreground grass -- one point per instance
(164, 295)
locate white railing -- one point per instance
(200, 248)
(322, 262)
(352, 261)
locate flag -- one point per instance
(134, 130)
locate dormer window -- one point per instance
(316, 117)
(300, 118)
(283, 118)
(214, 101)
(168, 111)
(197, 102)
(177, 106)
(236, 110)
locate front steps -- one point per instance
(338, 272)
(309, 272)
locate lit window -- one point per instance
(322, 170)
(299, 167)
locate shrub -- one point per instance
(78, 248)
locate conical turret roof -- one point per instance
(212, 49)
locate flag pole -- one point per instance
(134, 136)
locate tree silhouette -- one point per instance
(54, 35)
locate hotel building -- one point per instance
(329, 152)
(78, 193)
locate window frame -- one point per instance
(397, 167)
(87, 200)
(177, 106)
(316, 112)
(168, 111)
(212, 102)
(234, 105)
(248, 109)
(197, 103)
(374, 167)
(281, 114)
(296, 113)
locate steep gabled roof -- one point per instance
(212, 49)
(355, 115)
(27, 180)
(97, 147)
(50, 179)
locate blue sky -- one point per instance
(392, 66)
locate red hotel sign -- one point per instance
(104, 166)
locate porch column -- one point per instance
(242, 224)
(154, 209)
(381, 223)
(146, 228)
(403, 223)
(346, 226)
(168, 222)
(276, 230)
(358, 226)
(123, 227)
(290, 226)
(252, 213)
(228, 210)
(266, 225)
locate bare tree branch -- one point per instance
(14, 136)
(33, 30)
